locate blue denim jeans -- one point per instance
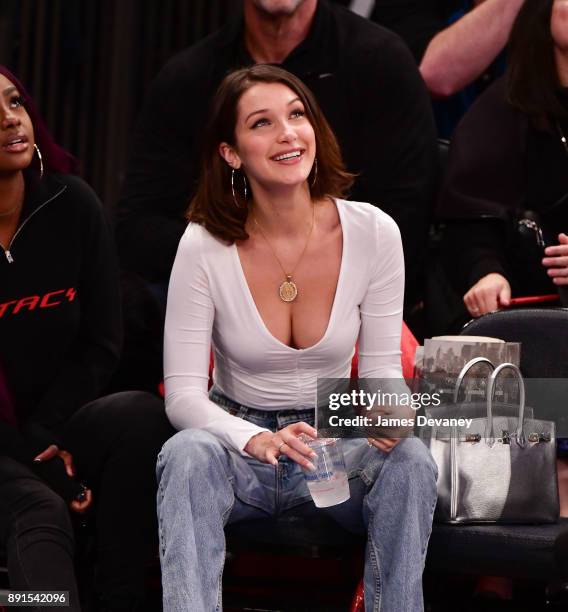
(204, 486)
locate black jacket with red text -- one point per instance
(60, 324)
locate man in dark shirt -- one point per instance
(367, 84)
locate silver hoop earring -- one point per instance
(40, 160)
(315, 168)
(235, 200)
(233, 188)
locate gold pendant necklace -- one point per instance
(288, 291)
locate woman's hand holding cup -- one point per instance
(267, 446)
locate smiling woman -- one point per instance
(241, 110)
(277, 143)
(281, 276)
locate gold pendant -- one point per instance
(288, 290)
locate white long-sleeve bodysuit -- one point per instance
(210, 303)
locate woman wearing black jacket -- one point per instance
(60, 340)
(505, 198)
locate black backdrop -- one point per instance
(87, 64)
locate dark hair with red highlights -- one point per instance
(213, 205)
(54, 157)
(533, 86)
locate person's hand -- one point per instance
(556, 261)
(488, 294)
(77, 505)
(53, 451)
(267, 446)
(383, 444)
(80, 506)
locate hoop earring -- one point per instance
(235, 200)
(40, 160)
(315, 167)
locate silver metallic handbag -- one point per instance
(500, 469)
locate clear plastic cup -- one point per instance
(328, 484)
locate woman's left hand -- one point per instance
(556, 261)
(383, 444)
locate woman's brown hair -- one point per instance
(213, 205)
(533, 86)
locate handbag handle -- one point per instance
(490, 397)
(467, 367)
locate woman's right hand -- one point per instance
(488, 294)
(267, 446)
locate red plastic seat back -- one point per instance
(408, 346)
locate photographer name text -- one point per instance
(384, 421)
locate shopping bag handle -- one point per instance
(467, 367)
(491, 396)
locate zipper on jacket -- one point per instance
(7, 251)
